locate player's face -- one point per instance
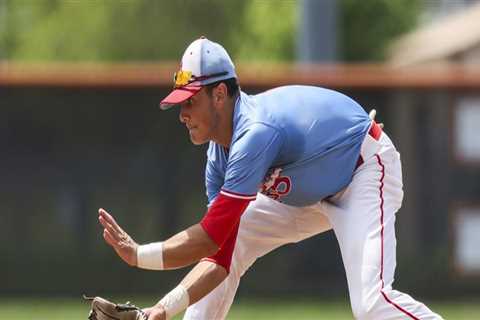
(200, 117)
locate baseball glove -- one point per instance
(103, 309)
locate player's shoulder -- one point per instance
(288, 102)
(250, 116)
(299, 94)
(295, 90)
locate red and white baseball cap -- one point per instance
(204, 62)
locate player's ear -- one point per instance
(220, 93)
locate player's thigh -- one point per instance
(363, 218)
(265, 225)
(268, 224)
(366, 209)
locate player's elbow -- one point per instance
(210, 247)
(204, 244)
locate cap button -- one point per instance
(203, 37)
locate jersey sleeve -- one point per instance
(249, 159)
(221, 223)
(224, 255)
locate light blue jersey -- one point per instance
(296, 144)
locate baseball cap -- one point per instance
(204, 62)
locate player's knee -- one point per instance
(365, 309)
(361, 312)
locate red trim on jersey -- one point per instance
(238, 195)
(382, 237)
(221, 223)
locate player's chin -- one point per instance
(197, 139)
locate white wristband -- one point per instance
(150, 256)
(175, 301)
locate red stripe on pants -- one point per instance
(381, 233)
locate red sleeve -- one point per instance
(224, 256)
(222, 216)
(221, 223)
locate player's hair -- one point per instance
(232, 87)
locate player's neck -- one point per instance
(224, 130)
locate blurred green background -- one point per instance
(68, 150)
(301, 309)
(149, 30)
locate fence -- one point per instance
(78, 137)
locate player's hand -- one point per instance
(155, 313)
(120, 241)
(372, 115)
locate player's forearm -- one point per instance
(202, 279)
(187, 247)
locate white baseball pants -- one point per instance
(363, 219)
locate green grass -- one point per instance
(71, 309)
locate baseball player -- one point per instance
(282, 166)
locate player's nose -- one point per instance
(182, 115)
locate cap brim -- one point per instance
(178, 96)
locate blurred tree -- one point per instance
(367, 27)
(112, 30)
(268, 31)
(118, 30)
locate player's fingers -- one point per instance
(381, 125)
(108, 217)
(147, 311)
(118, 236)
(156, 315)
(112, 239)
(372, 114)
(105, 223)
(109, 238)
(111, 220)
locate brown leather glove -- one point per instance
(102, 309)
